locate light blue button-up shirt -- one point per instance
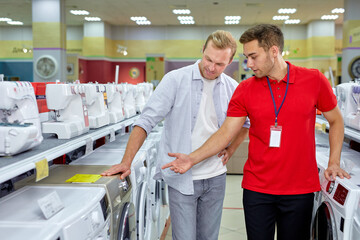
(177, 99)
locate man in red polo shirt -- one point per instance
(280, 176)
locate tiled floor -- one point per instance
(232, 222)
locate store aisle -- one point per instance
(232, 222)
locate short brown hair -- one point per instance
(267, 35)
(222, 40)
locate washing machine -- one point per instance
(30, 231)
(335, 214)
(55, 212)
(150, 146)
(118, 193)
(138, 179)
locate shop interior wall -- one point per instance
(180, 46)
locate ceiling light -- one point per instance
(93, 19)
(232, 22)
(185, 18)
(282, 17)
(146, 22)
(338, 10)
(329, 17)
(287, 10)
(138, 19)
(292, 21)
(181, 11)
(232, 18)
(79, 12)
(187, 22)
(15, 23)
(5, 20)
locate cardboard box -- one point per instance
(238, 159)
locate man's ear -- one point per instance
(274, 51)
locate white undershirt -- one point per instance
(206, 124)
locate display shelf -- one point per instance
(349, 133)
(51, 148)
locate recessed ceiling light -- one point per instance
(181, 11)
(15, 23)
(232, 21)
(329, 17)
(5, 19)
(287, 10)
(292, 21)
(232, 18)
(140, 20)
(93, 19)
(282, 17)
(338, 10)
(79, 12)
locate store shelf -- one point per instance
(349, 133)
(52, 148)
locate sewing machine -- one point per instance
(139, 95)
(115, 102)
(129, 100)
(352, 118)
(149, 89)
(343, 98)
(70, 118)
(96, 102)
(20, 127)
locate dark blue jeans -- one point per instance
(291, 214)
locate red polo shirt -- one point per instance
(291, 168)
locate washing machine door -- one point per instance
(324, 227)
(127, 223)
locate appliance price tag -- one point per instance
(112, 135)
(89, 146)
(42, 169)
(50, 204)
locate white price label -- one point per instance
(50, 204)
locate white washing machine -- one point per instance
(118, 193)
(82, 217)
(335, 214)
(138, 179)
(30, 232)
(154, 186)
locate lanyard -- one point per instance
(272, 95)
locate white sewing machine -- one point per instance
(71, 116)
(139, 95)
(20, 127)
(115, 102)
(129, 100)
(149, 89)
(343, 98)
(96, 102)
(352, 118)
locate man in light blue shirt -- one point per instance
(194, 101)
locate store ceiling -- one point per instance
(159, 12)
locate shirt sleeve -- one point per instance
(326, 99)
(159, 104)
(237, 103)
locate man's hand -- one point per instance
(181, 164)
(226, 156)
(122, 168)
(334, 170)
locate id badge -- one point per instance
(275, 136)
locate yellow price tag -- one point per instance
(84, 178)
(323, 127)
(42, 169)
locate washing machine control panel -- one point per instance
(340, 194)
